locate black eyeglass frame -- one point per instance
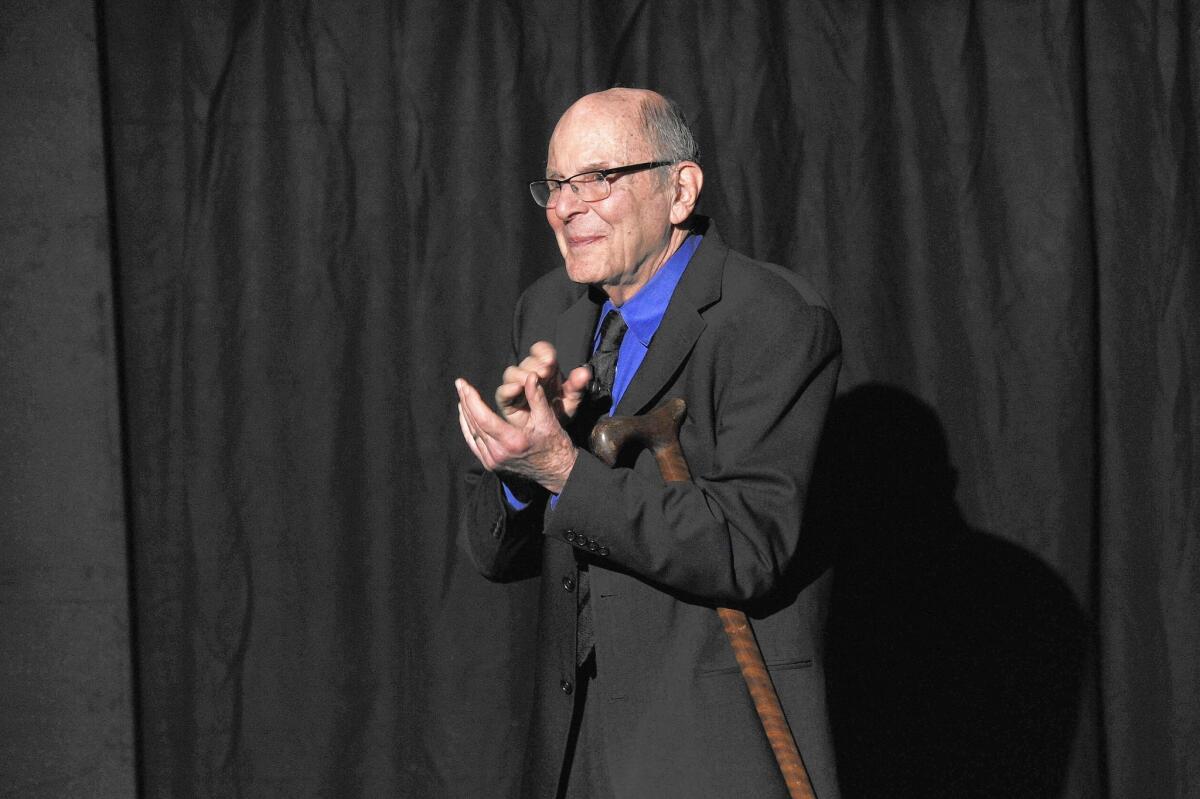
(603, 173)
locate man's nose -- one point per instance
(569, 204)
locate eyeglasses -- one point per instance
(588, 186)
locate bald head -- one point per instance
(663, 128)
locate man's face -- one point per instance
(620, 241)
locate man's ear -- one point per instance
(688, 182)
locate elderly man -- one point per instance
(637, 691)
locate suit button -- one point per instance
(592, 547)
(566, 687)
(568, 583)
(603, 551)
(570, 536)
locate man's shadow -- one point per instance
(954, 657)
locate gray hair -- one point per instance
(668, 132)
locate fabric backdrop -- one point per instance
(320, 219)
(66, 709)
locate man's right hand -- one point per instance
(565, 395)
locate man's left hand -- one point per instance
(537, 448)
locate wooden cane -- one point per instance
(658, 431)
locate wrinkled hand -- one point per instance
(564, 396)
(528, 441)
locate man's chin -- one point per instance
(582, 272)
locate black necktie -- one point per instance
(604, 359)
(604, 372)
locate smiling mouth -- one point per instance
(582, 241)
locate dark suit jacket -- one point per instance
(750, 348)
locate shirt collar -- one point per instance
(644, 311)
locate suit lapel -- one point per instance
(699, 288)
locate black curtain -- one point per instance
(319, 220)
(66, 710)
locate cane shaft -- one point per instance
(766, 702)
(659, 431)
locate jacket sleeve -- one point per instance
(504, 544)
(729, 536)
